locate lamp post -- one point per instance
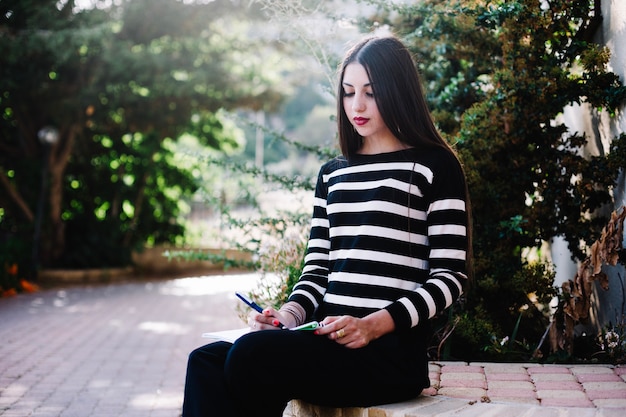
(47, 136)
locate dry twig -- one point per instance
(575, 304)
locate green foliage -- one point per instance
(472, 332)
(120, 83)
(131, 175)
(281, 254)
(128, 85)
(612, 342)
(498, 76)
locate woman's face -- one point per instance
(360, 105)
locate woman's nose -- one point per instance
(358, 104)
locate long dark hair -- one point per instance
(398, 92)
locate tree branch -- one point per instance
(16, 197)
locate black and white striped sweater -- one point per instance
(388, 231)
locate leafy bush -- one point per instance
(498, 75)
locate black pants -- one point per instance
(264, 370)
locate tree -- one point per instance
(498, 75)
(118, 82)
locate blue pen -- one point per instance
(255, 306)
(249, 302)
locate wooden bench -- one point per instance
(422, 406)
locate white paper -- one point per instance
(227, 335)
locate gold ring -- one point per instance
(341, 333)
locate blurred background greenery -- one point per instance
(137, 123)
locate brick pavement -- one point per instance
(121, 350)
(584, 386)
(108, 350)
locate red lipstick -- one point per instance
(360, 121)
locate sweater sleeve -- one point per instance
(310, 288)
(447, 232)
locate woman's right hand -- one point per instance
(269, 319)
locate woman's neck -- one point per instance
(381, 145)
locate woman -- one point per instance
(387, 251)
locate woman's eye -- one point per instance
(369, 94)
(346, 94)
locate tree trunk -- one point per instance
(59, 158)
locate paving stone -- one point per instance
(599, 377)
(611, 403)
(567, 402)
(461, 383)
(433, 367)
(564, 394)
(548, 369)
(470, 393)
(431, 391)
(437, 406)
(507, 377)
(461, 369)
(596, 394)
(542, 377)
(448, 376)
(527, 401)
(434, 383)
(504, 368)
(558, 385)
(547, 412)
(121, 350)
(518, 385)
(487, 410)
(462, 380)
(592, 369)
(608, 386)
(511, 393)
(451, 363)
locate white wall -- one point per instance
(607, 306)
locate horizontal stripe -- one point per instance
(377, 280)
(444, 290)
(430, 302)
(371, 206)
(449, 204)
(315, 256)
(319, 222)
(378, 257)
(312, 270)
(410, 308)
(450, 276)
(370, 185)
(378, 231)
(319, 202)
(319, 243)
(306, 294)
(447, 229)
(380, 167)
(320, 289)
(356, 301)
(448, 254)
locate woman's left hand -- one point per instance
(353, 332)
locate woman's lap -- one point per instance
(263, 370)
(302, 365)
